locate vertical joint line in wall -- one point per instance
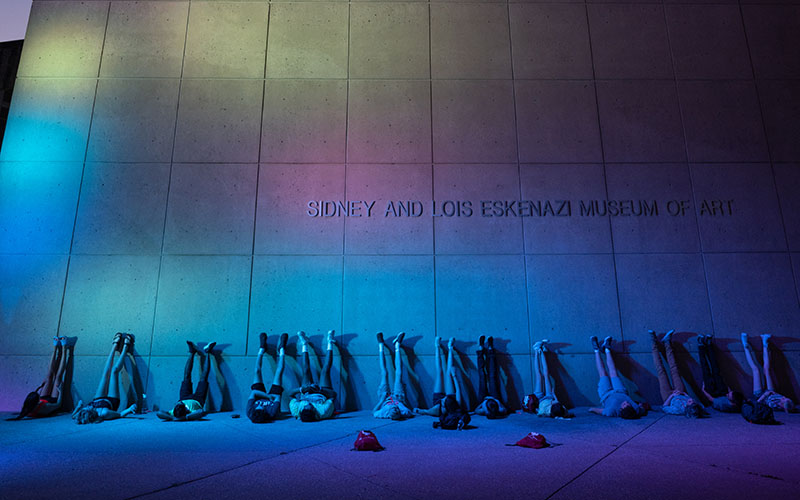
(258, 182)
(166, 203)
(519, 180)
(689, 171)
(433, 165)
(605, 173)
(83, 175)
(769, 149)
(344, 222)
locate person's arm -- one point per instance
(196, 415)
(77, 408)
(668, 400)
(254, 394)
(705, 392)
(165, 415)
(598, 411)
(296, 392)
(106, 414)
(433, 411)
(380, 403)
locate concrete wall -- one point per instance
(160, 156)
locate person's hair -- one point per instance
(395, 413)
(180, 410)
(492, 409)
(308, 414)
(694, 410)
(558, 410)
(788, 405)
(259, 416)
(736, 398)
(87, 415)
(628, 413)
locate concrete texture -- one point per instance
(160, 158)
(223, 456)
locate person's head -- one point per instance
(627, 411)
(450, 404)
(180, 410)
(259, 416)
(395, 413)
(736, 398)
(308, 414)
(787, 405)
(492, 409)
(558, 410)
(87, 415)
(694, 410)
(31, 400)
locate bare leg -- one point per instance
(257, 378)
(449, 383)
(113, 387)
(438, 383)
(102, 387)
(398, 371)
(767, 365)
(548, 387)
(325, 374)
(59, 377)
(601, 368)
(664, 386)
(612, 367)
(677, 382)
(748, 354)
(50, 378)
(384, 380)
(538, 383)
(277, 379)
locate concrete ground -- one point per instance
(656, 457)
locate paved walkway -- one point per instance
(223, 457)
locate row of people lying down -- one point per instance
(312, 402)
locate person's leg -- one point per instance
(548, 387)
(262, 349)
(186, 384)
(277, 379)
(306, 363)
(325, 374)
(449, 380)
(717, 382)
(102, 387)
(767, 365)
(663, 381)
(55, 392)
(748, 354)
(677, 382)
(705, 366)
(483, 389)
(612, 367)
(399, 389)
(55, 361)
(598, 360)
(438, 382)
(113, 386)
(538, 382)
(201, 392)
(491, 371)
(383, 384)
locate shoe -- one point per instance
(544, 345)
(119, 338)
(129, 341)
(399, 339)
(595, 343)
(481, 340)
(209, 347)
(302, 338)
(765, 338)
(331, 338)
(667, 337)
(262, 340)
(490, 342)
(606, 345)
(379, 336)
(537, 346)
(192, 347)
(283, 340)
(701, 340)
(743, 336)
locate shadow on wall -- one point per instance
(10, 53)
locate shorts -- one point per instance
(108, 403)
(251, 403)
(608, 385)
(384, 392)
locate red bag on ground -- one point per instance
(366, 441)
(533, 440)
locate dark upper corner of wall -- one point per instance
(10, 53)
